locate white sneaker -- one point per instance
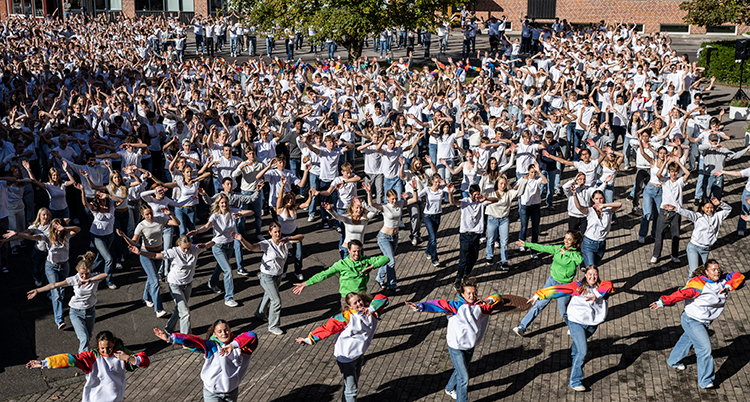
(414, 241)
(277, 331)
(519, 331)
(496, 244)
(112, 286)
(310, 218)
(452, 394)
(641, 239)
(579, 388)
(710, 385)
(160, 314)
(38, 283)
(300, 277)
(522, 248)
(230, 303)
(653, 260)
(568, 332)
(679, 366)
(675, 260)
(118, 266)
(482, 239)
(149, 303)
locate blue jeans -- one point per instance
(230, 396)
(181, 296)
(745, 210)
(651, 202)
(459, 380)
(627, 150)
(151, 290)
(577, 136)
(497, 226)
(432, 149)
(83, 324)
(388, 245)
(431, 222)
(351, 371)
(271, 301)
(122, 219)
(57, 273)
(187, 217)
(695, 336)
(233, 45)
(331, 49)
(445, 173)
(696, 256)
(553, 183)
(103, 244)
(221, 253)
(166, 237)
(199, 44)
(562, 306)
(579, 333)
(609, 196)
(393, 183)
(315, 203)
(526, 212)
(269, 46)
(593, 251)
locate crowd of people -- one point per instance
(141, 149)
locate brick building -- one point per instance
(648, 15)
(42, 8)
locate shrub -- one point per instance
(739, 103)
(722, 65)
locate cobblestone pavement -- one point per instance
(408, 359)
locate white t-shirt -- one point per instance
(151, 233)
(347, 192)
(57, 200)
(274, 257)
(182, 265)
(104, 222)
(434, 201)
(589, 169)
(58, 253)
(329, 163)
(84, 296)
(223, 226)
(472, 216)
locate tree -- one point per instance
(716, 12)
(346, 21)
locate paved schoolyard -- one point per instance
(408, 359)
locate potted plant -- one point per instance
(738, 109)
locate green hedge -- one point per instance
(722, 65)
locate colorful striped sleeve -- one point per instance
(84, 361)
(248, 342)
(440, 306)
(145, 362)
(378, 304)
(606, 288)
(693, 289)
(491, 302)
(734, 280)
(191, 342)
(333, 326)
(552, 292)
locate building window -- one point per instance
(675, 28)
(149, 5)
(187, 6)
(115, 5)
(32, 8)
(722, 29)
(508, 25)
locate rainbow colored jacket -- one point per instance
(704, 298)
(338, 323)
(247, 341)
(571, 289)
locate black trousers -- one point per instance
(671, 220)
(468, 254)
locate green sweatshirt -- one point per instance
(350, 274)
(564, 266)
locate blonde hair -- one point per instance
(38, 221)
(86, 261)
(53, 233)
(216, 208)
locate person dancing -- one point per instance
(104, 368)
(227, 358)
(354, 329)
(705, 295)
(586, 310)
(468, 318)
(565, 259)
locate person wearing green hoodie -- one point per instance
(565, 259)
(354, 271)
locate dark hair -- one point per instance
(227, 178)
(366, 299)
(577, 239)
(356, 242)
(273, 225)
(474, 188)
(109, 337)
(701, 270)
(213, 326)
(583, 288)
(466, 281)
